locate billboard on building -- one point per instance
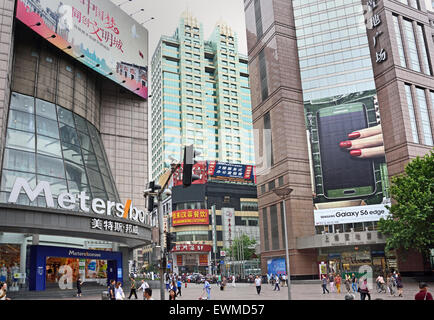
(347, 159)
(190, 217)
(276, 266)
(199, 169)
(228, 226)
(231, 172)
(95, 32)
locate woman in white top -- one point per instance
(119, 292)
(3, 290)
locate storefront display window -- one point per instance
(9, 263)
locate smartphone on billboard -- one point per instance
(344, 176)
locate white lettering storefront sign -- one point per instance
(70, 201)
(350, 214)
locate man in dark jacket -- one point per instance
(112, 290)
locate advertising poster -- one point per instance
(95, 32)
(231, 172)
(348, 167)
(276, 266)
(203, 260)
(199, 169)
(190, 217)
(179, 260)
(228, 226)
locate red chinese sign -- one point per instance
(190, 217)
(192, 248)
(199, 169)
(179, 260)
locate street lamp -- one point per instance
(283, 193)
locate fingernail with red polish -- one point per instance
(345, 144)
(356, 152)
(354, 135)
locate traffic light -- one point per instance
(187, 171)
(152, 188)
(170, 239)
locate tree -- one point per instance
(411, 224)
(242, 248)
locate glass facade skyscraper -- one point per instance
(333, 48)
(201, 96)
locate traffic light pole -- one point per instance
(162, 260)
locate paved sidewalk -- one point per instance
(244, 291)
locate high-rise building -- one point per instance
(354, 65)
(201, 96)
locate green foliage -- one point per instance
(411, 225)
(240, 250)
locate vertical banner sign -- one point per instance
(179, 260)
(214, 232)
(228, 221)
(95, 32)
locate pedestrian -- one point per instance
(143, 287)
(79, 283)
(147, 294)
(119, 292)
(354, 281)
(179, 285)
(233, 280)
(258, 283)
(172, 294)
(338, 281)
(347, 283)
(111, 290)
(390, 282)
(276, 284)
(332, 282)
(380, 284)
(364, 290)
(207, 289)
(3, 291)
(132, 288)
(399, 284)
(281, 280)
(423, 294)
(324, 284)
(167, 283)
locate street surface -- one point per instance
(245, 291)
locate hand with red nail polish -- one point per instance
(365, 143)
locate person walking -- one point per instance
(324, 284)
(143, 287)
(179, 285)
(380, 284)
(172, 294)
(258, 284)
(132, 288)
(3, 291)
(233, 280)
(207, 289)
(338, 281)
(147, 294)
(119, 292)
(276, 284)
(111, 289)
(399, 285)
(364, 290)
(332, 282)
(347, 283)
(167, 283)
(354, 283)
(423, 293)
(79, 283)
(390, 283)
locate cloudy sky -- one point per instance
(168, 12)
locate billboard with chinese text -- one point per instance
(96, 33)
(199, 169)
(231, 172)
(190, 217)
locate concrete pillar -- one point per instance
(127, 254)
(35, 239)
(23, 258)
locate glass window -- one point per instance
(65, 116)
(46, 109)
(90, 160)
(426, 126)
(19, 160)
(95, 179)
(81, 124)
(47, 127)
(20, 140)
(21, 121)
(22, 102)
(85, 141)
(423, 46)
(50, 166)
(68, 134)
(75, 174)
(411, 114)
(72, 153)
(58, 186)
(411, 41)
(49, 146)
(399, 42)
(9, 177)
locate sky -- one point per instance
(166, 15)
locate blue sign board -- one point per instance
(231, 172)
(222, 262)
(276, 266)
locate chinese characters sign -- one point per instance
(190, 217)
(192, 248)
(199, 169)
(231, 172)
(203, 259)
(108, 225)
(96, 33)
(374, 23)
